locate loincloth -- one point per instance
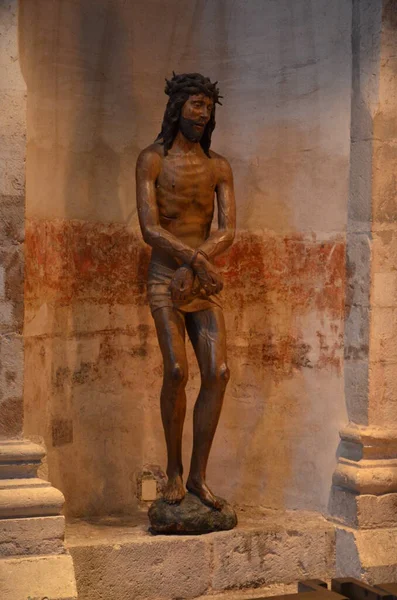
(159, 293)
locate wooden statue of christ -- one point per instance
(178, 179)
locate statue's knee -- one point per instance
(177, 374)
(219, 376)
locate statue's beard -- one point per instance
(187, 127)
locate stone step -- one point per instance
(119, 558)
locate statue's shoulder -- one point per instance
(217, 156)
(151, 157)
(222, 165)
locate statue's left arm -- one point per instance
(220, 240)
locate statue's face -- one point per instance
(196, 112)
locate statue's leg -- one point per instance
(207, 333)
(170, 327)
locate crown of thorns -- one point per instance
(192, 83)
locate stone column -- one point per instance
(364, 493)
(33, 560)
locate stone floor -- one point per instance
(266, 554)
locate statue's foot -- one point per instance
(202, 490)
(174, 491)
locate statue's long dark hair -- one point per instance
(179, 88)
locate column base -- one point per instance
(364, 511)
(34, 563)
(22, 493)
(364, 490)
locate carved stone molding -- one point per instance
(22, 493)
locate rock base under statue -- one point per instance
(189, 517)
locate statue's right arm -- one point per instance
(148, 168)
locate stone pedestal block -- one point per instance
(32, 536)
(120, 559)
(367, 554)
(38, 578)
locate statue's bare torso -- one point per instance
(185, 193)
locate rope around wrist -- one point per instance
(196, 252)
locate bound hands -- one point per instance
(184, 284)
(208, 276)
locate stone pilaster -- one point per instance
(364, 492)
(34, 562)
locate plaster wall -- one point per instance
(95, 74)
